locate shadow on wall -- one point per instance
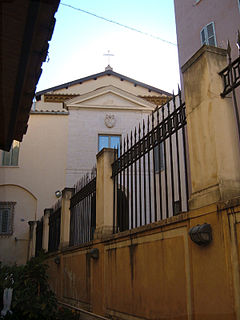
(17, 207)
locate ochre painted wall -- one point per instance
(156, 271)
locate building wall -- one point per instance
(84, 127)
(91, 85)
(14, 247)
(192, 16)
(62, 145)
(32, 184)
(157, 272)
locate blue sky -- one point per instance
(80, 40)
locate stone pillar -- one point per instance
(65, 217)
(45, 237)
(212, 130)
(32, 239)
(104, 193)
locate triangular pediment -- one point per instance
(109, 97)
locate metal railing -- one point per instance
(231, 74)
(39, 235)
(231, 80)
(150, 175)
(54, 227)
(83, 210)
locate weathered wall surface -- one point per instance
(16, 244)
(32, 184)
(156, 271)
(87, 122)
(191, 18)
(42, 159)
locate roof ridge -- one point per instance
(100, 74)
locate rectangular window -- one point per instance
(208, 35)
(239, 5)
(6, 217)
(159, 165)
(106, 141)
(10, 158)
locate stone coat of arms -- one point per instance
(110, 120)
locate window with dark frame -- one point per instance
(6, 217)
(10, 158)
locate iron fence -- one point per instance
(231, 80)
(83, 210)
(54, 227)
(39, 235)
(150, 175)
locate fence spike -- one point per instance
(135, 134)
(174, 100)
(124, 145)
(238, 42)
(131, 138)
(168, 106)
(139, 131)
(157, 116)
(117, 147)
(229, 50)
(143, 128)
(120, 148)
(148, 124)
(162, 113)
(152, 120)
(127, 142)
(179, 95)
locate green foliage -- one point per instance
(32, 297)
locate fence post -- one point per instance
(32, 239)
(45, 238)
(212, 132)
(65, 217)
(104, 193)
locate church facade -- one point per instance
(69, 124)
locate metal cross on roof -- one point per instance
(108, 55)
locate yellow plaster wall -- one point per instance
(32, 184)
(42, 159)
(14, 247)
(157, 272)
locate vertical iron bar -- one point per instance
(144, 175)
(165, 162)
(135, 159)
(177, 150)
(185, 162)
(119, 193)
(89, 216)
(170, 124)
(114, 193)
(154, 170)
(83, 220)
(128, 209)
(149, 171)
(131, 169)
(140, 173)
(233, 90)
(123, 191)
(159, 160)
